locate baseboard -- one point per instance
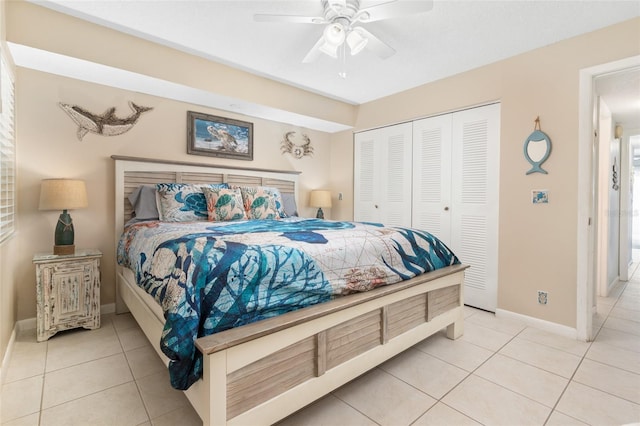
(7, 355)
(551, 327)
(109, 308)
(30, 323)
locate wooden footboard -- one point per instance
(260, 373)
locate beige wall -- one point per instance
(537, 243)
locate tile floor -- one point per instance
(499, 373)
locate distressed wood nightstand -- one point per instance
(68, 291)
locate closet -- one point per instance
(439, 174)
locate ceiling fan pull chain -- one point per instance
(343, 52)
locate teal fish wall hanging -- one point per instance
(537, 148)
(107, 124)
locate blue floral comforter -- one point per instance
(212, 276)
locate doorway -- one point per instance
(593, 221)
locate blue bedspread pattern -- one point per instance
(211, 276)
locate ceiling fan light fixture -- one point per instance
(334, 34)
(329, 49)
(356, 41)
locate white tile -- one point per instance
(144, 361)
(77, 346)
(532, 382)
(555, 341)
(595, 407)
(132, 338)
(123, 321)
(385, 399)
(425, 372)
(491, 404)
(559, 419)
(186, 416)
(542, 356)
(619, 339)
(628, 314)
(30, 420)
(457, 352)
(83, 379)
(27, 360)
(614, 356)
(329, 410)
(484, 337)
(609, 379)
(158, 395)
(441, 414)
(21, 398)
(624, 325)
(629, 302)
(120, 405)
(503, 325)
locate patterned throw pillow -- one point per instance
(183, 202)
(224, 204)
(261, 202)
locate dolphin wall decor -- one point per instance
(106, 124)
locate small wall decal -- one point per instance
(106, 124)
(540, 196)
(537, 148)
(298, 151)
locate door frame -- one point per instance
(587, 248)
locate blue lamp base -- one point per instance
(320, 214)
(64, 235)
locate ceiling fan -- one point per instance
(342, 18)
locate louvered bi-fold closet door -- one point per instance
(475, 162)
(382, 175)
(432, 176)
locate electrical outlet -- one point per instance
(543, 297)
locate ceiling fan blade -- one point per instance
(377, 46)
(394, 9)
(314, 52)
(289, 18)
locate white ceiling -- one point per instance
(455, 36)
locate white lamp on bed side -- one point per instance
(320, 199)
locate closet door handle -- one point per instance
(446, 209)
(376, 206)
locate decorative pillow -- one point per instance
(289, 204)
(261, 202)
(143, 201)
(224, 204)
(183, 202)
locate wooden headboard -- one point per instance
(132, 172)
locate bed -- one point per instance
(263, 371)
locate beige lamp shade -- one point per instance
(63, 194)
(320, 198)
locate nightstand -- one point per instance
(68, 291)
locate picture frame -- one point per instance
(215, 136)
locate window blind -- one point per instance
(7, 152)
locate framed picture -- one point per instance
(219, 136)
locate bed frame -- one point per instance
(265, 371)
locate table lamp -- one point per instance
(320, 199)
(63, 194)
